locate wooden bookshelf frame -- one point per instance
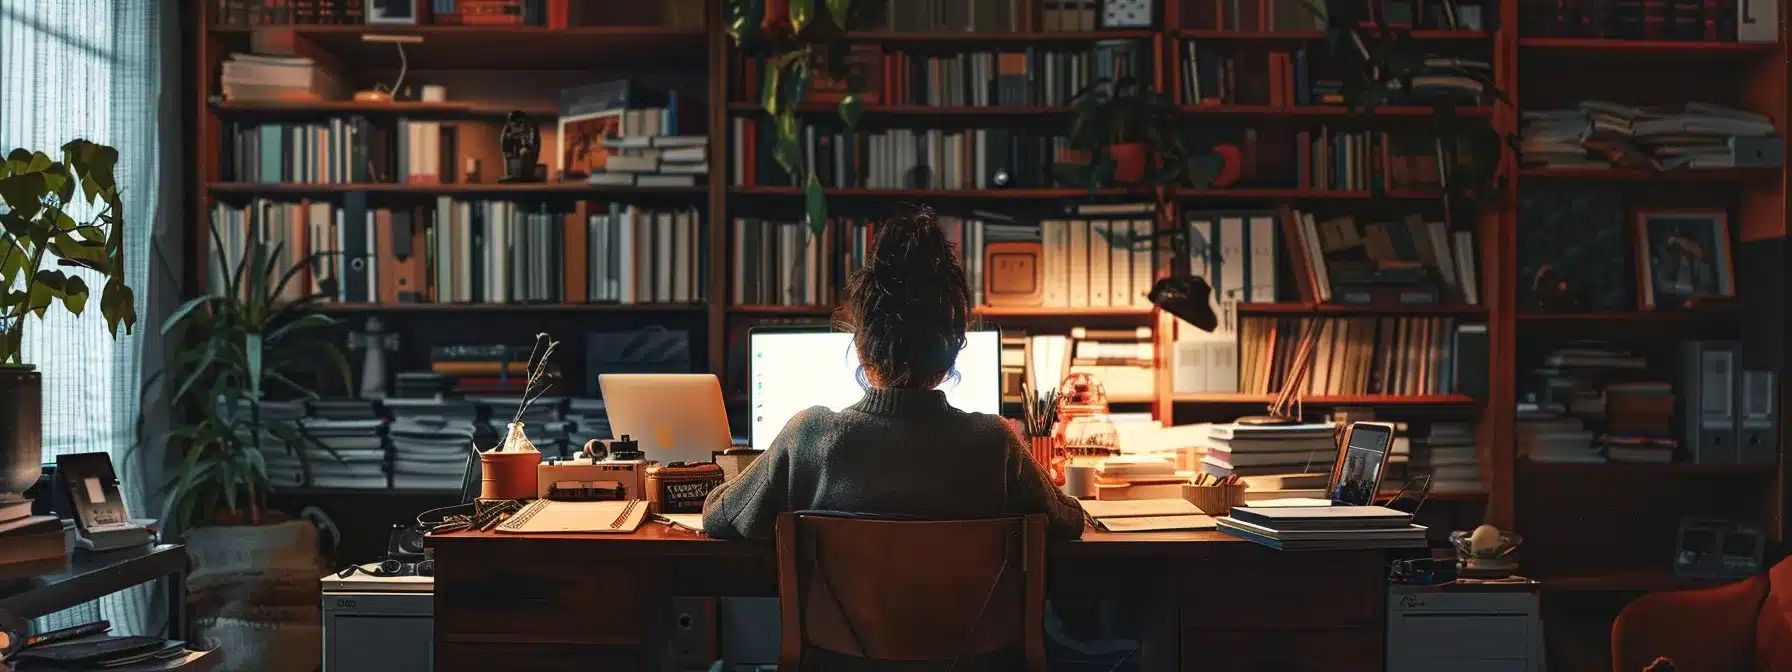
(1761, 215)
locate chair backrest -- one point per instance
(911, 590)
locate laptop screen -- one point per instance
(791, 370)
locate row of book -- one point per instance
(356, 150)
(556, 14)
(1295, 15)
(622, 132)
(1351, 356)
(977, 78)
(900, 158)
(1214, 74)
(1406, 262)
(471, 251)
(1675, 20)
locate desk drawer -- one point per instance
(1335, 650)
(485, 592)
(455, 656)
(1278, 589)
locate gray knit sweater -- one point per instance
(895, 452)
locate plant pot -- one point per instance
(1129, 162)
(253, 593)
(508, 474)
(21, 428)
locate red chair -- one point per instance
(1745, 625)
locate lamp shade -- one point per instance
(1189, 298)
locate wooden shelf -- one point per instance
(482, 189)
(500, 47)
(448, 308)
(1334, 400)
(934, 194)
(1640, 49)
(1657, 316)
(1639, 468)
(1632, 174)
(919, 111)
(782, 310)
(993, 312)
(1298, 309)
(1622, 579)
(1326, 111)
(1293, 35)
(1285, 194)
(960, 40)
(323, 107)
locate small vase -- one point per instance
(1129, 162)
(510, 471)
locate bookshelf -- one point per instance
(1533, 71)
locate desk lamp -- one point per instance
(376, 95)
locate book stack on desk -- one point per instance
(1314, 528)
(1272, 458)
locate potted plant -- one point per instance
(253, 587)
(1124, 133)
(39, 237)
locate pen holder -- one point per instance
(508, 474)
(1047, 451)
(1214, 500)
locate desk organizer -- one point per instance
(1214, 500)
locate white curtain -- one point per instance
(100, 70)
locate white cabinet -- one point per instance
(1433, 629)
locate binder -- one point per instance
(1757, 438)
(1708, 389)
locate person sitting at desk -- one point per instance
(901, 450)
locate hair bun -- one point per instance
(910, 301)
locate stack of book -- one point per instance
(275, 422)
(1546, 433)
(1639, 422)
(431, 439)
(1448, 454)
(262, 77)
(350, 445)
(1273, 458)
(29, 545)
(1599, 133)
(1317, 528)
(654, 161)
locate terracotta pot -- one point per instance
(1129, 162)
(21, 428)
(508, 475)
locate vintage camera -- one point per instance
(601, 472)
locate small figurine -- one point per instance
(521, 144)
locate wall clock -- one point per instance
(1126, 13)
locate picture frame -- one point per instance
(1128, 14)
(1682, 256)
(393, 12)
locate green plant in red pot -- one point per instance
(1122, 133)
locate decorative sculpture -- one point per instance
(376, 343)
(521, 144)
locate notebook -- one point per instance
(1323, 517)
(1146, 515)
(546, 516)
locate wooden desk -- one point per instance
(599, 601)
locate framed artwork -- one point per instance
(1682, 256)
(392, 12)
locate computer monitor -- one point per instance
(791, 369)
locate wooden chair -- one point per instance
(908, 591)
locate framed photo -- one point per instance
(1682, 256)
(1124, 14)
(392, 12)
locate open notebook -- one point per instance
(546, 516)
(1146, 515)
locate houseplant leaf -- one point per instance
(840, 11)
(74, 295)
(801, 13)
(815, 205)
(851, 109)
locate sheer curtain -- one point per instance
(95, 69)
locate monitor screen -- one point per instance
(796, 369)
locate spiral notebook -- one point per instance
(546, 516)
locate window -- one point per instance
(92, 69)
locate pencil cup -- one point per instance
(1214, 500)
(508, 474)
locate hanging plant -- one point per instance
(1379, 66)
(804, 43)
